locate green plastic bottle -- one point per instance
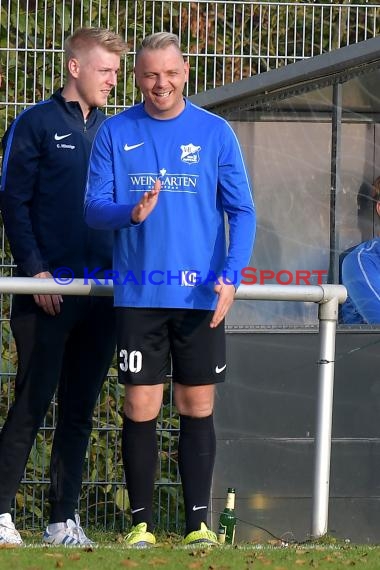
(227, 520)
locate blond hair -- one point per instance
(86, 38)
(160, 40)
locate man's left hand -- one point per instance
(226, 294)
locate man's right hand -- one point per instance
(51, 304)
(147, 204)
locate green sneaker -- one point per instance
(138, 537)
(203, 537)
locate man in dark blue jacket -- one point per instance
(65, 342)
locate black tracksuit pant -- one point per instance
(71, 351)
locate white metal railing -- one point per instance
(328, 298)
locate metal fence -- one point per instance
(224, 42)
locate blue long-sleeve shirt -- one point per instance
(45, 161)
(172, 258)
(361, 277)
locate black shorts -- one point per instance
(147, 338)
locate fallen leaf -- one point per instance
(264, 560)
(129, 563)
(75, 556)
(275, 542)
(199, 553)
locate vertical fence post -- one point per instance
(327, 314)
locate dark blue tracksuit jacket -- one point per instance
(45, 158)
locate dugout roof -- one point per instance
(305, 88)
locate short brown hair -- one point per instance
(85, 38)
(376, 189)
(368, 196)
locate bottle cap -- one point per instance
(231, 490)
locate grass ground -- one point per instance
(111, 554)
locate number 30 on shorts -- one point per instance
(131, 361)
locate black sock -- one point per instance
(140, 453)
(196, 457)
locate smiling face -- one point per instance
(92, 76)
(161, 75)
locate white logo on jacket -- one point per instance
(190, 153)
(58, 137)
(189, 278)
(132, 146)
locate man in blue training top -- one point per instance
(163, 174)
(361, 276)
